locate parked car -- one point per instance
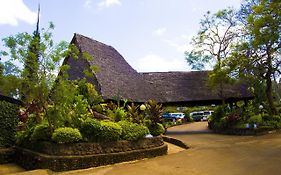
(197, 115)
(167, 115)
(206, 115)
(173, 116)
(201, 115)
(177, 115)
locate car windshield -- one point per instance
(207, 113)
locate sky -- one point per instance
(152, 35)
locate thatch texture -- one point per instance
(183, 87)
(116, 78)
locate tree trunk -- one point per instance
(268, 91)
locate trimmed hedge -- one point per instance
(8, 123)
(132, 131)
(66, 135)
(90, 130)
(110, 131)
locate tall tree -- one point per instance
(259, 53)
(213, 43)
(37, 59)
(31, 64)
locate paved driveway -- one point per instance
(209, 154)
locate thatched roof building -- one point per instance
(116, 78)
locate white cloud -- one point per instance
(13, 11)
(108, 3)
(160, 31)
(156, 63)
(88, 4)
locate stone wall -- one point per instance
(84, 155)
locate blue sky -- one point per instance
(151, 35)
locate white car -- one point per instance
(177, 115)
(206, 115)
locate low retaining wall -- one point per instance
(175, 142)
(84, 155)
(6, 155)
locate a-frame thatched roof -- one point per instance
(116, 78)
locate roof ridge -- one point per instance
(201, 71)
(91, 39)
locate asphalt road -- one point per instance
(209, 154)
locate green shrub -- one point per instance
(132, 131)
(22, 137)
(66, 135)
(167, 124)
(110, 131)
(41, 132)
(221, 123)
(91, 129)
(276, 118)
(188, 118)
(154, 111)
(156, 129)
(255, 119)
(271, 124)
(8, 123)
(240, 125)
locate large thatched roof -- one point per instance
(116, 78)
(193, 87)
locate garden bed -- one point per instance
(59, 157)
(244, 131)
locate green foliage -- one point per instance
(66, 135)
(8, 123)
(116, 112)
(257, 55)
(29, 74)
(41, 132)
(69, 108)
(22, 137)
(256, 119)
(89, 92)
(91, 130)
(132, 131)
(219, 112)
(169, 109)
(134, 114)
(154, 111)
(213, 40)
(110, 131)
(39, 57)
(156, 129)
(223, 118)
